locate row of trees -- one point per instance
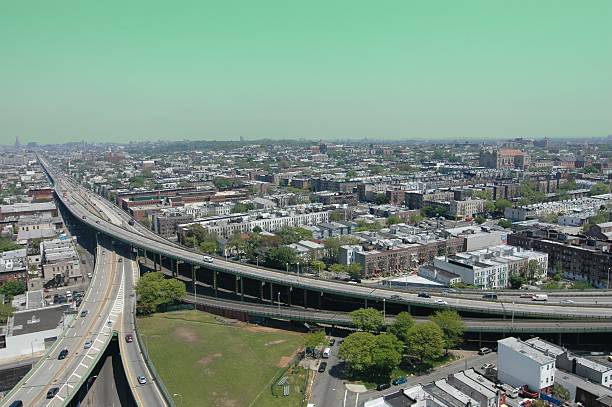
(372, 352)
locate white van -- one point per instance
(326, 352)
(539, 297)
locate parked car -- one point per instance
(424, 294)
(142, 379)
(383, 386)
(332, 342)
(129, 338)
(484, 351)
(322, 367)
(399, 380)
(17, 403)
(52, 392)
(62, 355)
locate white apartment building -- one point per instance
(491, 268)
(228, 225)
(518, 364)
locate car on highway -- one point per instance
(62, 355)
(568, 301)
(383, 386)
(399, 380)
(440, 301)
(424, 294)
(88, 344)
(52, 392)
(207, 259)
(322, 367)
(84, 313)
(489, 296)
(129, 338)
(525, 296)
(17, 403)
(142, 379)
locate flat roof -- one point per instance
(524, 348)
(44, 319)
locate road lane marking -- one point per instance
(344, 402)
(356, 399)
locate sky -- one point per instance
(219, 70)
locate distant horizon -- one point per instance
(394, 70)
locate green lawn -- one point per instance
(214, 362)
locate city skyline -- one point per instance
(396, 71)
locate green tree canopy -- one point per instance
(452, 326)
(600, 189)
(393, 219)
(402, 325)
(11, 288)
(6, 311)
(387, 353)
(501, 204)
(357, 349)
(278, 257)
(367, 319)
(7, 245)
(291, 235)
(314, 339)
(154, 291)
(426, 340)
(505, 223)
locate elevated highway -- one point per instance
(272, 279)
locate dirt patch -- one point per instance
(257, 328)
(284, 361)
(276, 342)
(186, 335)
(209, 358)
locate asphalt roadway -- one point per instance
(104, 302)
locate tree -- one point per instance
(452, 326)
(317, 265)
(534, 269)
(6, 311)
(501, 204)
(415, 218)
(560, 392)
(222, 182)
(242, 207)
(387, 353)
(279, 257)
(351, 174)
(489, 206)
(291, 235)
(483, 194)
(257, 229)
(393, 219)
(12, 288)
(337, 268)
(480, 219)
(154, 291)
(356, 350)
(600, 189)
(516, 281)
(8, 245)
(402, 325)
(354, 270)
(505, 223)
(538, 403)
(426, 340)
(313, 339)
(209, 246)
(336, 215)
(367, 319)
(331, 246)
(529, 194)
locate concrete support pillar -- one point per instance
(409, 309)
(480, 339)
(305, 298)
(271, 293)
(236, 285)
(366, 303)
(242, 288)
(289, 291)
(215, 282)
(261, 286)
(320, 299)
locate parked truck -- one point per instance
(539, 297)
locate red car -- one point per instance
(129, 338)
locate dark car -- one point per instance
(383, 386)
(399, 380)
(52, 392)
(424, 294)
(129, 338)
(322, 367)
(332, 342)
(17, 403)
(84, 313)
(62, 355)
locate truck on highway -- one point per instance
(539, 297)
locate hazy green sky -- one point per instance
(127, 70)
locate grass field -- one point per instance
(216, 362)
